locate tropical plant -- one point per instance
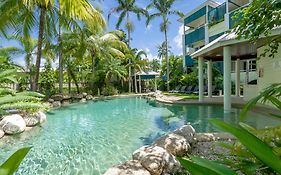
(258, 19)
(10, 166)
(28, 46)
(25, 19)
(256, 150)
(154, 65)
(10, 99)
(164, 10)
(5, 58)
(109, 90)
(125, 8)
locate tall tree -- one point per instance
(25, 19)
(164, 8)
(136, 64)
(28, 46)
(125, 8)
(260, 18)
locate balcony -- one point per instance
(197, 35)
(216, 15)
(195, 16)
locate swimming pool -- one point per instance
(89, 138)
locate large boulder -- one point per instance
(31, 120)
(131, 167)
(13, 124)
(186, 131)
(84, 94)
(174, 144)
(2, 133)
(156, 160)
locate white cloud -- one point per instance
(150, 56)
(178, 39)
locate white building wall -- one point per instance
(269, 72)
(217, 28)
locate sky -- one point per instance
(144, 37)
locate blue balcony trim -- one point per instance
(197, 35)
(189, 62)
(195, 15)
(212, 38)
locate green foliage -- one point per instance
(10, 166)
(109, 90)
(199, 166)
(260, 18)
(270, 95)
(10, 99)
(47, 80)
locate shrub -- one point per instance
(109, 90)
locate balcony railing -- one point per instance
(217, 14)
(197, 35)
(195, 15)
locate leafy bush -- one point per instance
(109, 90)
(10, 166)
(47, 81)
(255, 151)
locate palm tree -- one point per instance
(24, 20)
(28, 46)
(126, 7)
(136, 64)
(164, 9)
(113, 68)
(154, 65)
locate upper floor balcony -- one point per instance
(196, 35)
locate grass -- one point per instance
(183, 96)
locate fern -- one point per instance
(30, 106)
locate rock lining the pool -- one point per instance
(17, 123)
(159, 158)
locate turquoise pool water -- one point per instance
(89, 138)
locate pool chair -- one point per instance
(183, 89)
(189, 90)
(176, 90)
(196, 90)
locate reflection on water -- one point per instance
(89, 138)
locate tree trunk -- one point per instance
(93, 71)
(60, 61)
(29, 69)
(39, 52)
(129, 41)
(135, 77)
(69, 82)
(72, 75)
(167, 60)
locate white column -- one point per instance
(201, 78)
(227, 78)
(247, 71)
(226, 16)
(210, 78)
(237, 82)
(155, 84)
(140, 84)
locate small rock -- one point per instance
(89, 97)
(77, 96)
(2, 133)
(156, 160)
(131, 167)
(13, 124)
(56, 104)
(57, 97)
(83, 100)
(51, 100)
(84, 94)
(42, 117)
(207, 137)
(66, 102)
(174, 144)
(66, 97)
(187, 131)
